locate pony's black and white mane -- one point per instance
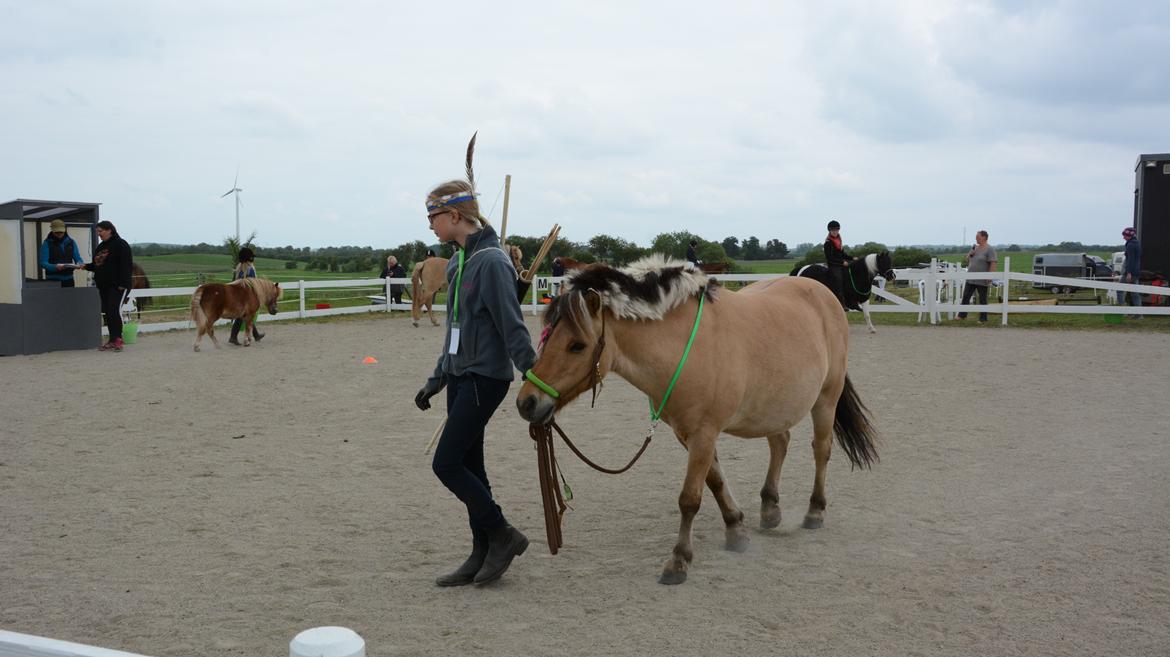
(647, 289)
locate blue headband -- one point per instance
(450, 199)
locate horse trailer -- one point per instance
(1069, 265)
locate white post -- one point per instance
(931, 292)
(1003, 291)
(301, 289)
(387, 294)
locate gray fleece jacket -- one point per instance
(492, 334)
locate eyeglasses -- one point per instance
(431, 216)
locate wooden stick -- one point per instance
(544, 249)
(504, 222)
(435, 438)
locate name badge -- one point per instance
(453, 348)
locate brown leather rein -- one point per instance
(546, 460)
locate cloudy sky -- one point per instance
(910, 121)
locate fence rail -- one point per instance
(944, 280)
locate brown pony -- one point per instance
(236, 300)
(428, 279)
(568, 263)
(139, 281)
(714, 267)
(517, 258)
(762, 359)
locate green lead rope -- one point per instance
(654, 415)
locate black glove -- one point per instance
(423, 398)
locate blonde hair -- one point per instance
(468, 210)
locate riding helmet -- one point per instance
(833, 225)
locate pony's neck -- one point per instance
(871, 264)
(647, 353)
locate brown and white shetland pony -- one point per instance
(428, 279)
(236, 300)
(763, 358)
(568, 263)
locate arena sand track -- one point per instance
(172, 503)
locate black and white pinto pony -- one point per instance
(858, 284)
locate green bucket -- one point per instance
(130, 332)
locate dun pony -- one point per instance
(428, 279)
(760, 360)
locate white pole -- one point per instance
(387, 294)
(301, 288)
(1003, 291)
(237, 216)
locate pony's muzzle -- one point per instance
(536, 408)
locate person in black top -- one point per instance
(112, 275)
(692, 257)
(836, 259)
(394, 270)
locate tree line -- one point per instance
(599, 248)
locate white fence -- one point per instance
(943, 279)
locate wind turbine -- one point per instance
(236, 190)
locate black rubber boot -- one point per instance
(504, 544)
(256, 334)
(465, 574)
(235, 333)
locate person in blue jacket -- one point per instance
(485, 340)
(59, 256)
(1133, 266)
(245, 268)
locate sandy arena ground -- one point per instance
(172, 503)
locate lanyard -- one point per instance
(455, 295)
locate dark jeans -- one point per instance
(969, 290)
(111, 308)
(458, 462)
(837, 283)
(396, 293)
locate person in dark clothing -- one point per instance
(836, 259)
(112, 274)
(486, 338)
(558, 269)
(394, 270)
(245, 268)
(692, 257)
(1133, 266)
(59, 255)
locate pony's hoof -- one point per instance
(811, 522)
(196, 347)
(415, 324)
(672, 577)
(738, 543)
(770, 518)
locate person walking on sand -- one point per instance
(486, 337)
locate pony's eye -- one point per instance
(577, 347)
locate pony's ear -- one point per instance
(593, 301)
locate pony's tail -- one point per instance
(854, 432)
(197, 314)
